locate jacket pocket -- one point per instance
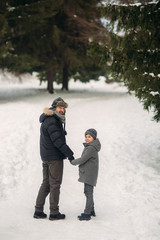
(81, 170)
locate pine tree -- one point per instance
(135, 53)
(49, 37)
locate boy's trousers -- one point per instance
(52, 179)
(88, 191)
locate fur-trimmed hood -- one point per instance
(46, 113)
(49, 112)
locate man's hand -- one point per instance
(71, 158)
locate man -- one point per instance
(53, 150)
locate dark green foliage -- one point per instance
(135, 52)
(49, 37)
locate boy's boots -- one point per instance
(84, 216)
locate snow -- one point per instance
(137, 3)
(127, 196)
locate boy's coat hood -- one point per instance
(96, 144)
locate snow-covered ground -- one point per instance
(127, 196)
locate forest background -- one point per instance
(83, 40)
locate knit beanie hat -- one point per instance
(59, 102)
(92, 132)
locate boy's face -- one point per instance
(88, 138)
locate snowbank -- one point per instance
(127, 197)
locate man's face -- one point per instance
(61, 110)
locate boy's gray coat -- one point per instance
(89, 163)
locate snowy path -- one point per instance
(127, 196)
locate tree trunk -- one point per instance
(50, 77)
(65, 77)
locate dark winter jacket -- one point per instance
(52, 138)
(89, 163)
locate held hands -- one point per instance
(70, 159)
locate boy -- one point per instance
(88, 170)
